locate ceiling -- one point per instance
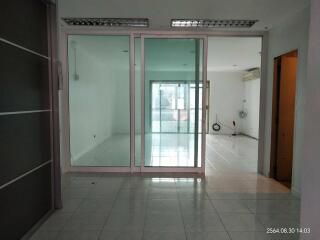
(224, 54)
(233, 54)
(268, 12)
(170, 54)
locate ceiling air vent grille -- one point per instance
(211, 23)
(108, 22)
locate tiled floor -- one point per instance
(164, 150)
(231, 202)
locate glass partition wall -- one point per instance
(135, 102)
(99, 100)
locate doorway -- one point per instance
(173, 75)
(172, 108)
(234, 73)
(283, 112)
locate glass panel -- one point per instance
(168, 108)
(173, 99)
(99, 100)
(155, 114)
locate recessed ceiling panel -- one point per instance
(212, 23)
(108, 22)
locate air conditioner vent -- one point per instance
(108, 22)
(252, 74)
(212, 23)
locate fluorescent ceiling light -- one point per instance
(212, 23)
(108, 22)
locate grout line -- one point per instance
(23, 48)
(218, 214)
(180, 210)
(146, 210)
(71, 213)
(112, 205)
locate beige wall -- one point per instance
(289, 35)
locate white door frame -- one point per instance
(64, 95)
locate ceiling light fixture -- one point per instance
(108, 22)
(212, 23)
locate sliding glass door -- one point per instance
(172, 82)
(135, 103)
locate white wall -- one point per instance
(98, 102)
(250, 125)
(121, 106)
(310, 207)
(228, 95)
(226, 98)
(90, 123)
(289, 35)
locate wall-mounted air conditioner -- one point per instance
(252, 74)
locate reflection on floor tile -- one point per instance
(163, 193)
(207, 236)
(45, 235)
(250, 236)
(190, 206)
(56, 222)
(163, 206)
(230, 205)
(120, 235)
(164, 235)
(86, 221)
(279, 220)
(163, 222)
(78, 235)
(273, 206)
(231, 202)
(125, 221)
(202, 222)
(241, 222)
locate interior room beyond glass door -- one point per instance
(173, 107)
(99, 100)
(173, 69)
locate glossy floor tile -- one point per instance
(207, 235)
(231, 202)
(170, 150)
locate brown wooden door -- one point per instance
(286, 111)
